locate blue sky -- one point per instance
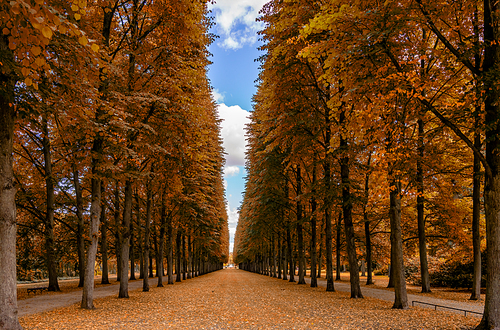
(232, 75)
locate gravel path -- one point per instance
(45, 303)
(235, 299)
(388, 295)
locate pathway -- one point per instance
(388, 295)
(232, 299)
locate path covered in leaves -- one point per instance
(235, 299)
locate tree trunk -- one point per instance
(80, 241)
(8, 289)
(291, 272)
(127, 215)
(118, 233)
(300, 238)
(161, 247)
(314, 281)
(280, 256)
(491, 314)
(398, 275)
(369, 270)
(149, 201)
(320, 254)
(170, 252)
(328, 204)
(422, 244)
(49, 215)
(104, 240)
(96, 152)
(95, 215)
(347, 212)
(190, 257)
(285, 260)
(178, 256)
(184, 261)
(476, 218)
(132, 249)
(339, 247)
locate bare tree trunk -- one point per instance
(95, 214)
(476, 175)
(170, 252)
(161, 244)
(190, 257)
(49, 215)
(8, 289)
(80, 241)
(127, 214)
(320, 252)
(300, 238)
(289, 252)
(400, 296)
(491, 315)
(347, 212)
(104, 240)
(339, 247)
(96, 152)
(149, 201)
(422, 243)
(368, 244)
(314, 281)
(184, 261)
(476, 217)
(118, 233)
(285, 261)
(178, 256)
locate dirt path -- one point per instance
(235, 299)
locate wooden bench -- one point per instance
(34, 290)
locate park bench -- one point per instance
(34, 290)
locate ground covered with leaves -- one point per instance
(235, 299)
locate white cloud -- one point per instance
(233, 134)
(231, 171)
(230, 13)
(232, 220)
(218, 96)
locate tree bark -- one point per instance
(338, 249)
(118, 233)
(184, 260)
(127, 214)
(178, 252)
(161, 244)
(300, 237)
(289, 254)
(132, 247)
(314, 281)
(491, 314)
(149, 201)
(347, 212)
(49, 215)
(104, 240)
(422, 244)
(476, 217)
(80, 241)
(170, 252)
(400, 296)
(8, 289)
(96, 152)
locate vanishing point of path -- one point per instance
(235, 299)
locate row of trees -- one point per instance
(381, 119)
(107, 127)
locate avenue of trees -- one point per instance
(109, 144)
(375, 142)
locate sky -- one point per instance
(232, 75)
